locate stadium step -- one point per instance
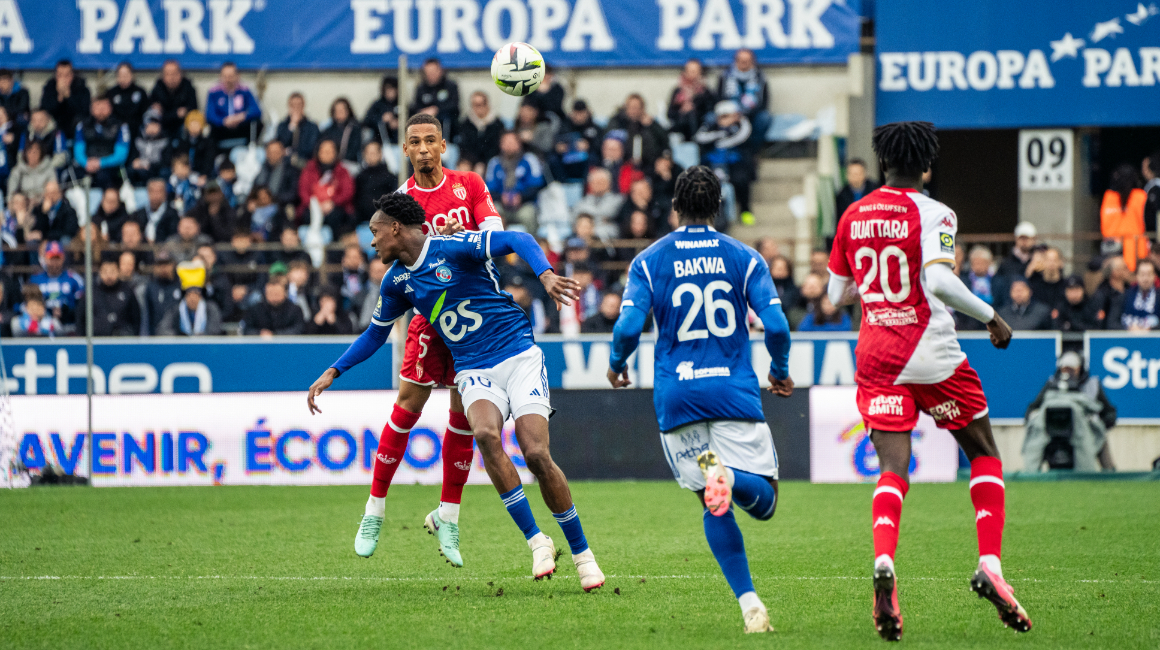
(778, 179)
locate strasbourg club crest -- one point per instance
(443, 274)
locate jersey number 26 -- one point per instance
(704, 298)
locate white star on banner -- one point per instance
(1066, 46)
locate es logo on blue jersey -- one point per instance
(443, 273)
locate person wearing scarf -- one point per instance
(1140, 311)
(193, 315)
(479, 133)
(691, 101)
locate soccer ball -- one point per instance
(518, 69)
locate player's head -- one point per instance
(424, 143)
(697, 197)
(905, 148)
(398, 217)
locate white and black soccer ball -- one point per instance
(517, 69)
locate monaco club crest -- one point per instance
(459, 191)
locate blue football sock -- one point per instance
(570, 522)
(729, 548)
(521, 512)
(753, 494)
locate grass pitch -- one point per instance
(275, 567)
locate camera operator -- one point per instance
(1067, 424)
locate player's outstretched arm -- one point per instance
(777, 342)
(363, 347)
(501, 242)
(625, 338)
(944, 284)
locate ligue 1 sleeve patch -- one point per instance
(379, 308)
(946, 242)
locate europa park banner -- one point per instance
(355, 34)
(1033, 63)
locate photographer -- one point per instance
(1068, 421)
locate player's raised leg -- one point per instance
(443, 522)
(392, 445)
(487, 426)
(988, 497)
(893, 449)
(532, 435)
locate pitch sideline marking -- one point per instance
(480, 579)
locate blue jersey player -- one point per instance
(453, 283)
(699, 285)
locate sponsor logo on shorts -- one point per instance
(891, 316)
(685, 371)
(691, 452)
(948, 410)
(886, 405)
(443, 274)
(884, 521)
(386, 460)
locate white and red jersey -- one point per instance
(884, 242)
(462, 196)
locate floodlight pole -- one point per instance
(401, 129)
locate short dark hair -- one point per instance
(400, 207)
(697, 195)
(908, 148)
(64, 63)
(423, 118)
(856, 161)
(124, 64)
(5, 73)
(228, 64)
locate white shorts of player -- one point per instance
(517, 386)
(740, 444)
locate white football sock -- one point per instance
(749, 600)
(992, 562)
(377, 506)
(449, 512)
(884, 559)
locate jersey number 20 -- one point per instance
(704, 298)
(879, 261)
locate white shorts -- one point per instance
(740, 444)
(517, 386)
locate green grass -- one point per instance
(275, 567)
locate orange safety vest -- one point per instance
(1126, 223)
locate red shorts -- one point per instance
(954, 402)
(426, 359)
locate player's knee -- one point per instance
(539, 460)
(488, 437)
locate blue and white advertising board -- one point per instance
(354, 34)
(1128, 366)
(1033, 63)
(234, 439)
(1011, 377)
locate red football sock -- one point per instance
(886, 509)
(987, 495)
(392, 446)
(457, 455)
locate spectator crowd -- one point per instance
(198, 207)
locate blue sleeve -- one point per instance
(211, 109)
(762, 297)
(391, 306)
(533, 180)
(364, 346)
(79, 148)
(625, 337)
(498, 243)
(253, 108)
(494, 184)
(638, 291)
(120, 150)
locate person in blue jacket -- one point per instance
(231, 110)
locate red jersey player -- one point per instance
(453, 201)
(897, 245)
